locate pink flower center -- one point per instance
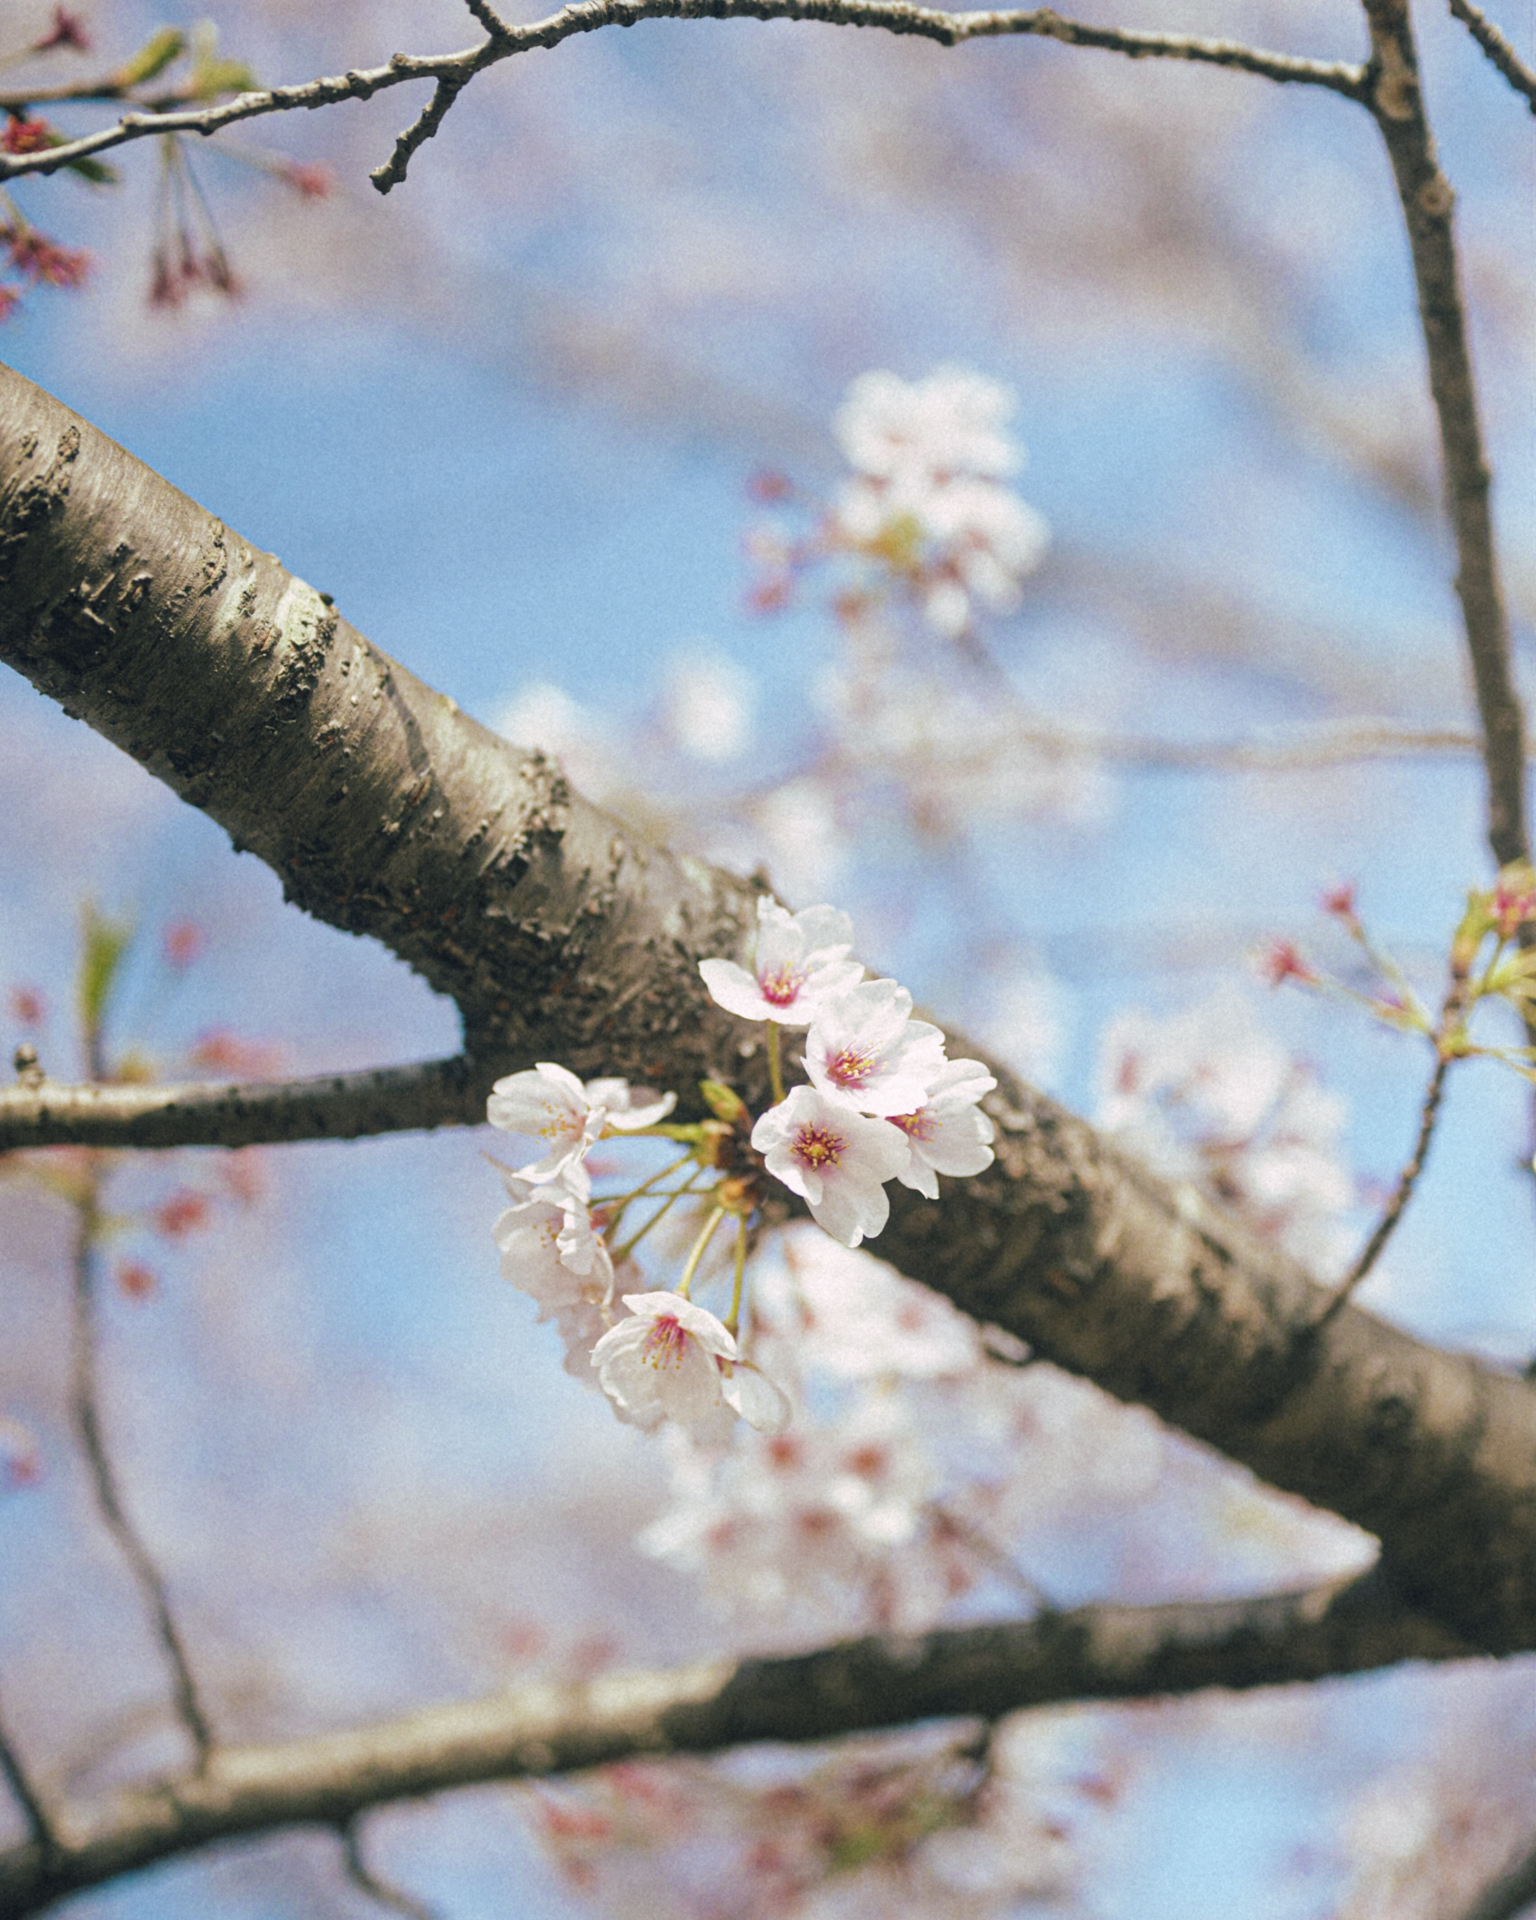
(819, 1147)
(852, 1066)
(916, 1126)
(780, 987)
(665, 1344)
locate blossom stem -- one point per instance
(626, 1200)
(775, 1062)
(623, 1253)
(1453, 1010)
(733, 1318)
(707, 1233)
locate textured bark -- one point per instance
(560, 935)
(331, 1106)
(1097, 1653)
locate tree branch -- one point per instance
(1427, 201)
(1500, 53)
(1095, 1653)
(453, 71)
(562, 936)
(335, 1106)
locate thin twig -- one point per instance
(455, 70)
(1500, 53)
(26, 1795)
(363, 1877)
(417, 134)
(85, 1411)
(1407, 1180)
(339, 1106)
(489, 18)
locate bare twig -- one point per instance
(1290, 751)
(85, 1411)
(1500, 53)
(26, 1795)
(339, 1106)
(453, 71)
(363, 1877)
(1095, 1653)
(489, 18)
(418, 133)
(1407, 1180)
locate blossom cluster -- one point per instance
(1210, 1097)
(881, 1102)
(931, 463)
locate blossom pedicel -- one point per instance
(881, 1103)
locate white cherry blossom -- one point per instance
(548, 1247)
(627, 1109)
(758, 1400)
(865, 1047)
(799, 960)
(661, 1363)
(550, 1104)
(835, 1158)
(952, 422)
(948, 1133)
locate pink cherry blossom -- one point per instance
(865, 1047)
(834, 1158)
(800, 959)
(948, 1133)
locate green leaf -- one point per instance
(156, 54)
(96, 171)
(104, 941)
(212, 76)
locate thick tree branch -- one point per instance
(333, 1106)
(1428, 202)
(453, 71)
(1096, 1653)
(1500, 53)
(561, 935)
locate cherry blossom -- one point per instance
(661, 1363)
(928, 494)
(548, 1247)
(835, 1158)
(948, 1133)
(754, 1397)
(954, 421)
(1209, 1096)
(799, 961)
(865, 1047)
(549, 1103)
